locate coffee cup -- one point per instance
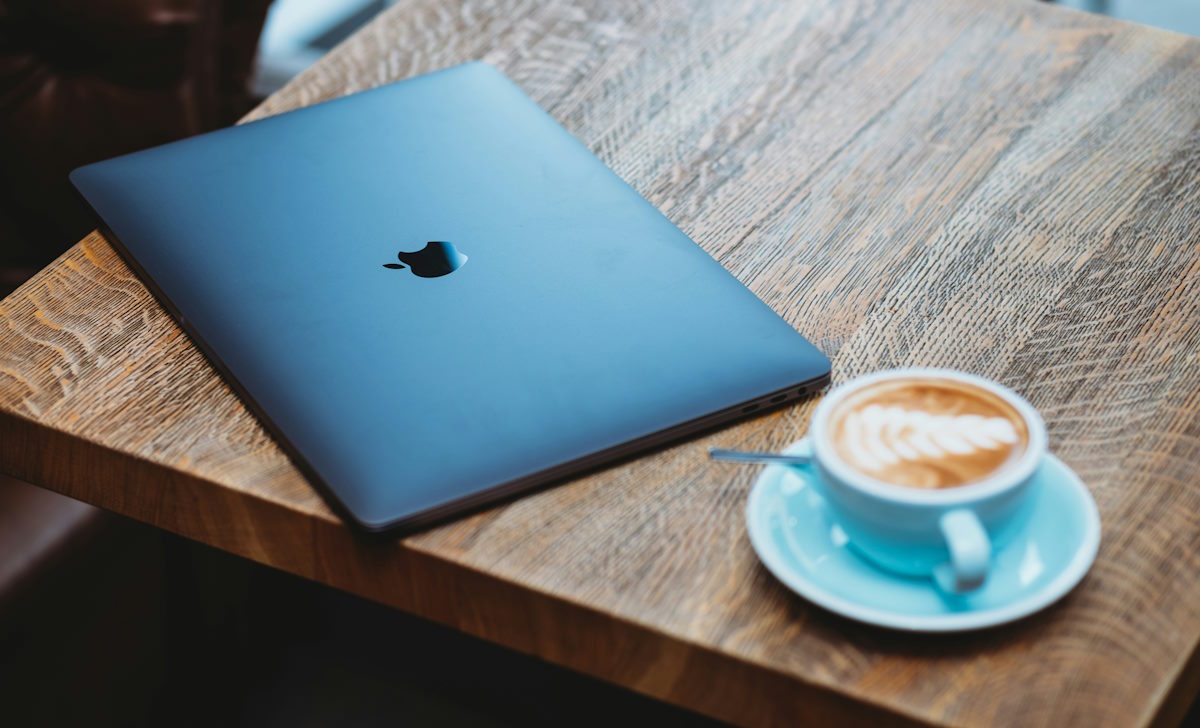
(927, 471)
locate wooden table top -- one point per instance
(995, 186)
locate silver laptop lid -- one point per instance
(576, 323)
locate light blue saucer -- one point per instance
(795, 537)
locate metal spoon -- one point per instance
(743, 456)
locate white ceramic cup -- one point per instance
(948, 534)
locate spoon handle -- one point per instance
(742, 456)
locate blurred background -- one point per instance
(1181, 16)
(298, 32)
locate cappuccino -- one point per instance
(927, 432)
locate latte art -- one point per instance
(934, 433)
(882, 436)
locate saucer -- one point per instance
(798, 541)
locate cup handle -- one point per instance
(970, 553)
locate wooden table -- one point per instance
(1000, 186)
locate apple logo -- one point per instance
(437, 258)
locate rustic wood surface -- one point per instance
(995, 186)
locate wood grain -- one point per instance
(1000, 187)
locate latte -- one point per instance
(927, 432)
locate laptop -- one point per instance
(434, 297)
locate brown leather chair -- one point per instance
(83, 80)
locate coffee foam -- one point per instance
(927, 433)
